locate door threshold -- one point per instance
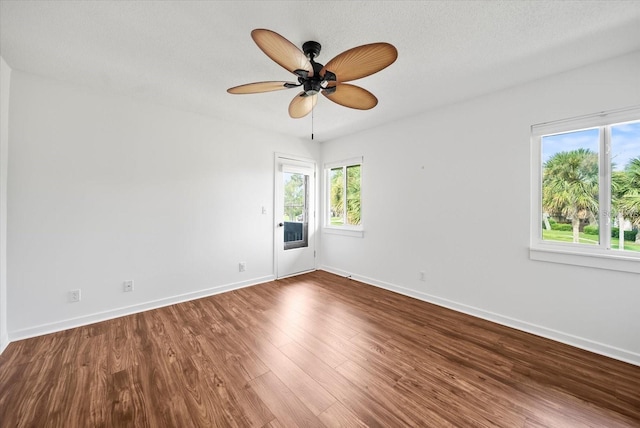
(297, 273)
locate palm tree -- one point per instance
(626, 192)
(619, 188)
(570, 186)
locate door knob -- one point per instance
(280, 224)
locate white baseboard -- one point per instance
(141, 307)
(558, 336)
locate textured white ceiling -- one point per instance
(187, 53)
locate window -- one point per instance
(343, 196)
(586, 191)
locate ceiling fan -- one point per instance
(314, 78)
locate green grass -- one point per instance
(562, 236)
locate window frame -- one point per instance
(345, 229)
(597, 256)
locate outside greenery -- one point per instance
(345, 195)
(570, 192)
(294, 196)
(567, 236)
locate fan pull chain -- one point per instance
(312, 123)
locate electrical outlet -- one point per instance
(74, 296)
(422, 276)
(242, 266)
(128, 286)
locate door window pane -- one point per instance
(295, 210)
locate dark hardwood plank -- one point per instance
(229, 383)
(326, 348)
(372, 409)
(289, 410)
(312, 350)
(306, 389)
(337, 415)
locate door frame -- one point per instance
(313, 200)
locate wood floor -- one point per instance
(314, 350)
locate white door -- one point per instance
(294, 216)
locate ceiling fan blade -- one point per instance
(281, 50)
(361, 61)
(258, 87)
(302, 105)
(352, 96)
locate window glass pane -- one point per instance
(625, 186)
(353, 195)
(570, 187)
(337, 202)
(294, 197)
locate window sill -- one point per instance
(355, 233)
(598, 260)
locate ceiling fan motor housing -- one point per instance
(312, 86)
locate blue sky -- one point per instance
(625, 143)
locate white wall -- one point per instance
(447, 192)
(104, 189)
(5, 78)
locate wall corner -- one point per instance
(5, 79)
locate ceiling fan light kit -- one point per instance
(314, 78)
